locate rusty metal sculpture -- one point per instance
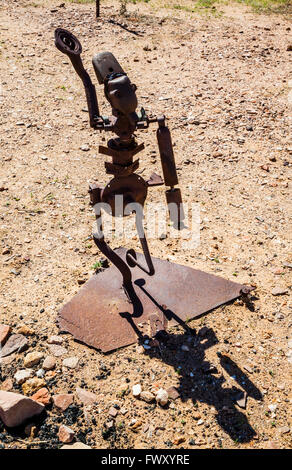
(108, 309)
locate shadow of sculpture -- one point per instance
(200, 380)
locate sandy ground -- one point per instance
(225, 84)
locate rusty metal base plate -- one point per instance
(101, 315)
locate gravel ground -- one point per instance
(223, 82)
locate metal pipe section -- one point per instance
(131, 256)
(68, 44)
(166, 155)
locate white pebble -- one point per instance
(162, 397)
(40, 373)
(22, 375)
(136, 390)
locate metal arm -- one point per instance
(68, 44)
(173, 195)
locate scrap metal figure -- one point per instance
(100, 314)
(125, 120)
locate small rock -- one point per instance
(65, 434)
(49, 363)
(42, 396)
(113, 412)
(147, 396)
(136, 390)
(86, 397)
(4, 333)
(22, 375)
(25, 330)
(57, 350)
(50, 374)
(55, 340)
(7, 385)
(71, 362)
(265, 167)
(173, 393)
(33, 358)
(109, 424)
(279, 291)
(85, 148)
(136, 424)
(16, 408)
(15, 343)
(241, 400)
(63, 401)
(162, 397)
(7, 360)
(40, 373)
(289, 47)
(15, 272)
(33, 385)
(272, 407)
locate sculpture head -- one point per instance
(121, 93)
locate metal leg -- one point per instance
(101, 244)
(131, 255)
(122, 267)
